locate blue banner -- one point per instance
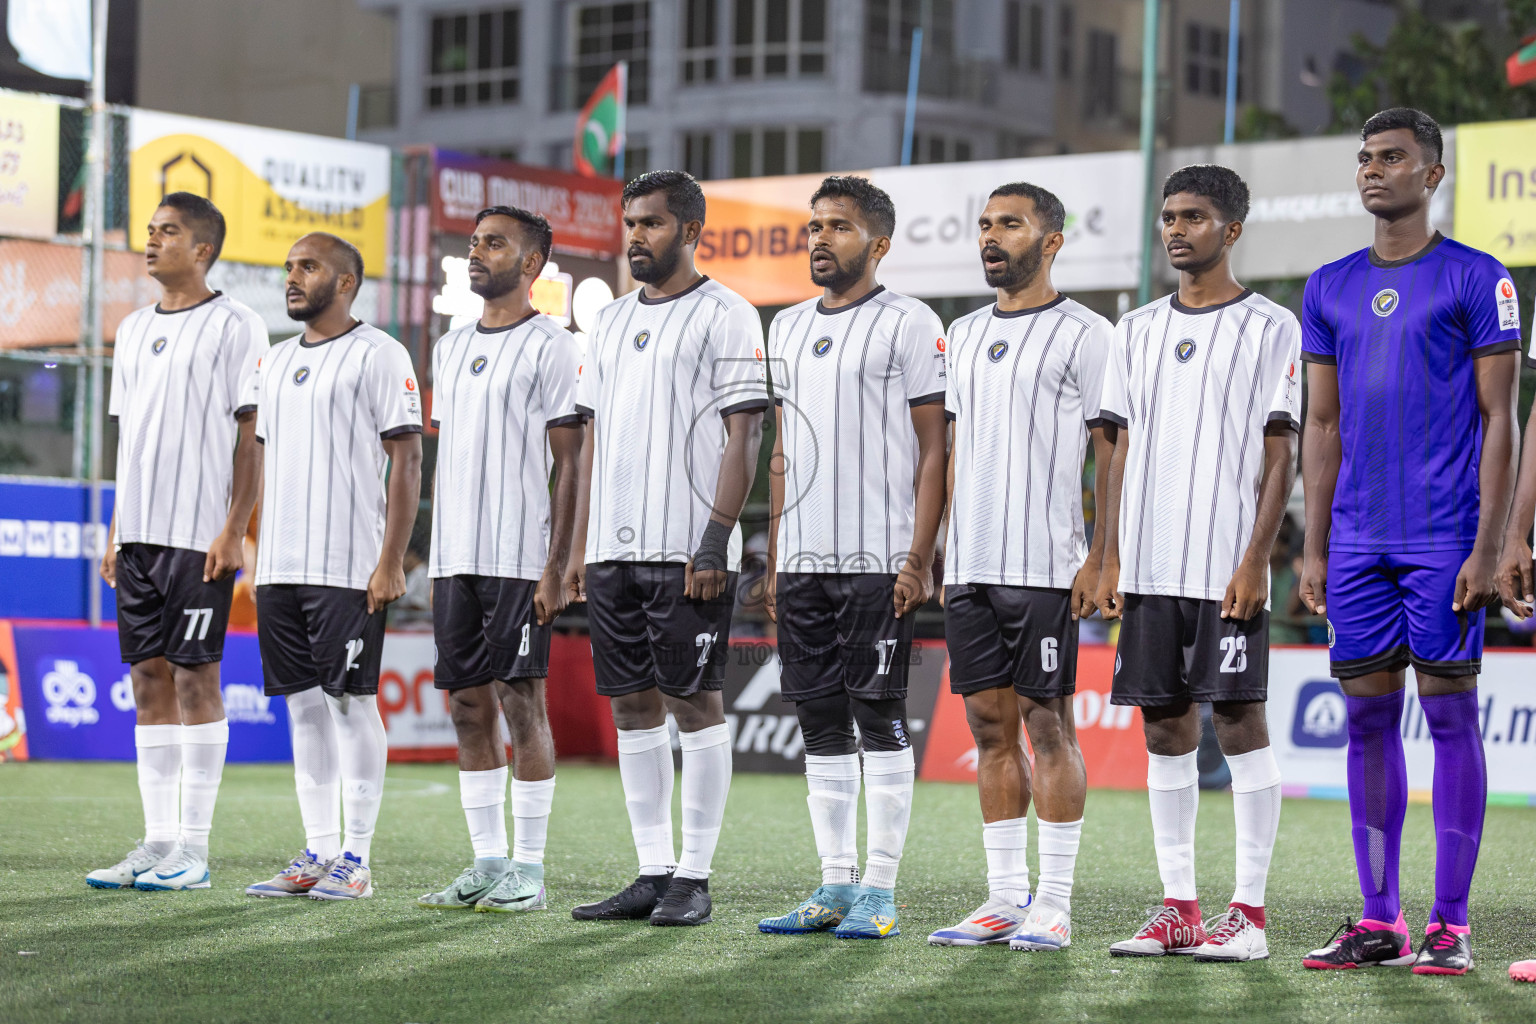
(49, 551)
(78, 698)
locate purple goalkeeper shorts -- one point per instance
(1387, 611)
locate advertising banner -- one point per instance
(29, 166)
(1496, 189)
(40, 292)
(754, 237)
(13, 722)
(272, 186)
(78, 697)
(49, 550)
(584, 212)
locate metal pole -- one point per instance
(354, 95)
(907, 129)
(94, 228)
(1234, 32)
(1148, 146)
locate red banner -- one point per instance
(584, 212)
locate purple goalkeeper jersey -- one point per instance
(1403, 335)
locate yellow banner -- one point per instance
(29, 166)
(273, 187)
(1496, 189)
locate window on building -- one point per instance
(474, 59)
(606, 34)
(699, 154)
(1064, 41)
(888, 26)
(762, 151)
(637, 157)
(1102, 86)
(936, 148)
(500, 153)
(700, 58)
(778, 38)
(1205, 61)
(1024, 35)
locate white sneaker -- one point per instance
(180, 869)
(1047, 927)
(125, 872)
(1233, 939)
(994, 921)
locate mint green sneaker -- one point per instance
(473, 882)
(872, 916)
(520, 889)
(822, 911)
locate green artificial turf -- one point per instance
(217, 956)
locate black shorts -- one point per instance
(485, 629)
(838, 633)
(646, 632)
(318, 636)
(164, 609)
(999, 636)
(1174, 649)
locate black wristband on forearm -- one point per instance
(711, 554)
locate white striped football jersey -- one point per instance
(495, 393)
(846, 380)
(324, 410)
(178, 382)
(659, 378)
(1196, 389)
(1024, 388)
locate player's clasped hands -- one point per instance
(1514, 577)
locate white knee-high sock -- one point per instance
(363, 748)
(1174, 793)
(645, 769)
(483, 795)
(1007, 846)
(159, 762)
(888, 778)
(1058, 842)
(316, 772)
(202, 767)
(531, 801)
(706, 782)
(833, 781)
(1256, 806)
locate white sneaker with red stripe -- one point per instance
(994, 921)
(1165, 933)
(1047, 928)
(1234, 938)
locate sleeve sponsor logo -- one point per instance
(1507, 305)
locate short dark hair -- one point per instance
(352, 260)
(535, 228)
(685, 199)
(1053, 216)
(1221, 185)
(1426, 130)
(205, 220)
(871, 199)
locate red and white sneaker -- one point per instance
(1523, 970)
(1234, 938)
(1165, 933)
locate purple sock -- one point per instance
(1461, 798)
(1378, 798)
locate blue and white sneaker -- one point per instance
(994, 921)
(822, 911)
(1047, 928)
(348, 879)
(872, 916)
(296, 879)
(125, 872)
(183, 869)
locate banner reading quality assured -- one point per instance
(272, 186)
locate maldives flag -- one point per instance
(1521, 66)
(600, 126)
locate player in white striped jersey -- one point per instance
(188, 469)
(1023, 391)
(339, 406)
(504, 402)
(859, 378)
(1202, 385)
(675, 386)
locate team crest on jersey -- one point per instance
(822, 347)
(1185, 350)
(157, 346)
(997, 351)
(478, 366)
(301, 375)
(1384, 302)
(641, 340)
